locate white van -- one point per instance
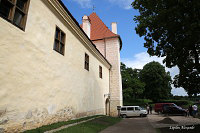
(132, 111)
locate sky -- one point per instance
(133, 54)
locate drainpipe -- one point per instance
(109, 91)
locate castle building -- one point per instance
(54, 69)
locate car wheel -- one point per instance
(124, 116)
(141, 115)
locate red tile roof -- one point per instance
(99, 30)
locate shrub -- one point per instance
(138, 102)
(182, 103)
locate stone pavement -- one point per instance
(131, 125)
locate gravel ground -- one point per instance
(181, 120)
(131, 125)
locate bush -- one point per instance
(137, 102)
(182, 103)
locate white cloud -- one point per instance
(141, 59)
(126, 4)
(178, 91)
(84, 3)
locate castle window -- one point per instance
(86, 61)
(100, 72)
(15, 11)
(59, 42)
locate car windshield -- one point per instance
(176, 106)
(141, 108)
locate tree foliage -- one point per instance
(171, 29)
(131, 84)
(157, 81)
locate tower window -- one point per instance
(100, 72)
(86, 61)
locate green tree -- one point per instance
(131, 84)
(128, 93)
(171, 29)
(157, 81)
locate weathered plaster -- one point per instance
(40, 86)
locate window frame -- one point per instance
(60, 40)
(87, 62)
(13, 9)
(130, 108)
(136, 108)
(100, 72)
(123, 109)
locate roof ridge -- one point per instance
(99, 29)
(102, 22)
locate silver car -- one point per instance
(127, 111)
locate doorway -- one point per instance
(107, 106)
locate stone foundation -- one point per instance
(39, 117)
(33, 119)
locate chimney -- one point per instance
(86, 25)
(114, 27)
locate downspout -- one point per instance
(109, 91)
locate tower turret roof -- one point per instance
(99, 30)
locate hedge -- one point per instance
(136, 102)
(178, 102)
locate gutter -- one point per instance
(65, 8)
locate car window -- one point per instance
(166, 105)
(137, 108)
(123, 109)
(174, 105)
(130, 109)
(177, 106)
(141, 108)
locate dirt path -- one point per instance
(70, 125)
(131, 125)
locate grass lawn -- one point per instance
(181, 130)
(93, 126)
(57, 125)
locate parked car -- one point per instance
(127, 111)
(159, 107)
(174, 109)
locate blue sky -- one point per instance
(133, 54)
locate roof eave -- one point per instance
(118, 36)
(62, 4)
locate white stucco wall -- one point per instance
(36, 82)
(110, 48)
(100, 44)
